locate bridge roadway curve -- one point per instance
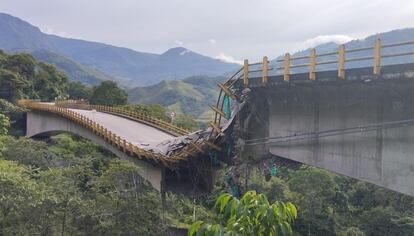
(137, 133)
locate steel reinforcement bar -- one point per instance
(193, 149)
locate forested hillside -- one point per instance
(191, 96)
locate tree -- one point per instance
(78, 91)
(28, 152)
(19, 195)
(385, 221)
(315, 193)
(21, 76)
(154, 110)
(11, 85)
(251, 215)
(108, 93)
(4, 124)
(125, 203)
(49, 82)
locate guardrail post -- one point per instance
(377, 57)
(265, 69)
(246, 73)
(312, 64)
(341, 61)
(286, 76)
(130, 148)
(118, 141)
(124, 146)
(110, 137)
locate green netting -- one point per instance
(227, 109)
(235, 191)
(273, 171)
(233, 186)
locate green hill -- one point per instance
(74, 70)
(191, 96)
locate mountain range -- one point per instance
(91, 62)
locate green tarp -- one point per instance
(227, 109)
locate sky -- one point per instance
(230, 30)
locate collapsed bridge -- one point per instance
(317, 109)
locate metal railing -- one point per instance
(312, 62)
(140, 117)
(193, 149)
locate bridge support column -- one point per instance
(163, 191)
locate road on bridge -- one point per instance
(135, 132)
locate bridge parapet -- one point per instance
(342, 59)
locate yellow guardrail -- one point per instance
(313, 60)
(141, 117)
(193, 149)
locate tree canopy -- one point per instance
(108, 93)
(21, 76)
(4, 124)
(250, 215)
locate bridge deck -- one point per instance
(135, 132)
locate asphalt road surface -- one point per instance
(132, 131)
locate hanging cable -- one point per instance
(327, 133)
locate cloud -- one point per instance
(179, 42)
(321, 39)
(227, 58)
(212, 41)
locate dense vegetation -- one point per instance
(22, 76)
(72, 187)
(108, 93)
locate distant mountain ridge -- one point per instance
(126, 66)
(75, 70)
